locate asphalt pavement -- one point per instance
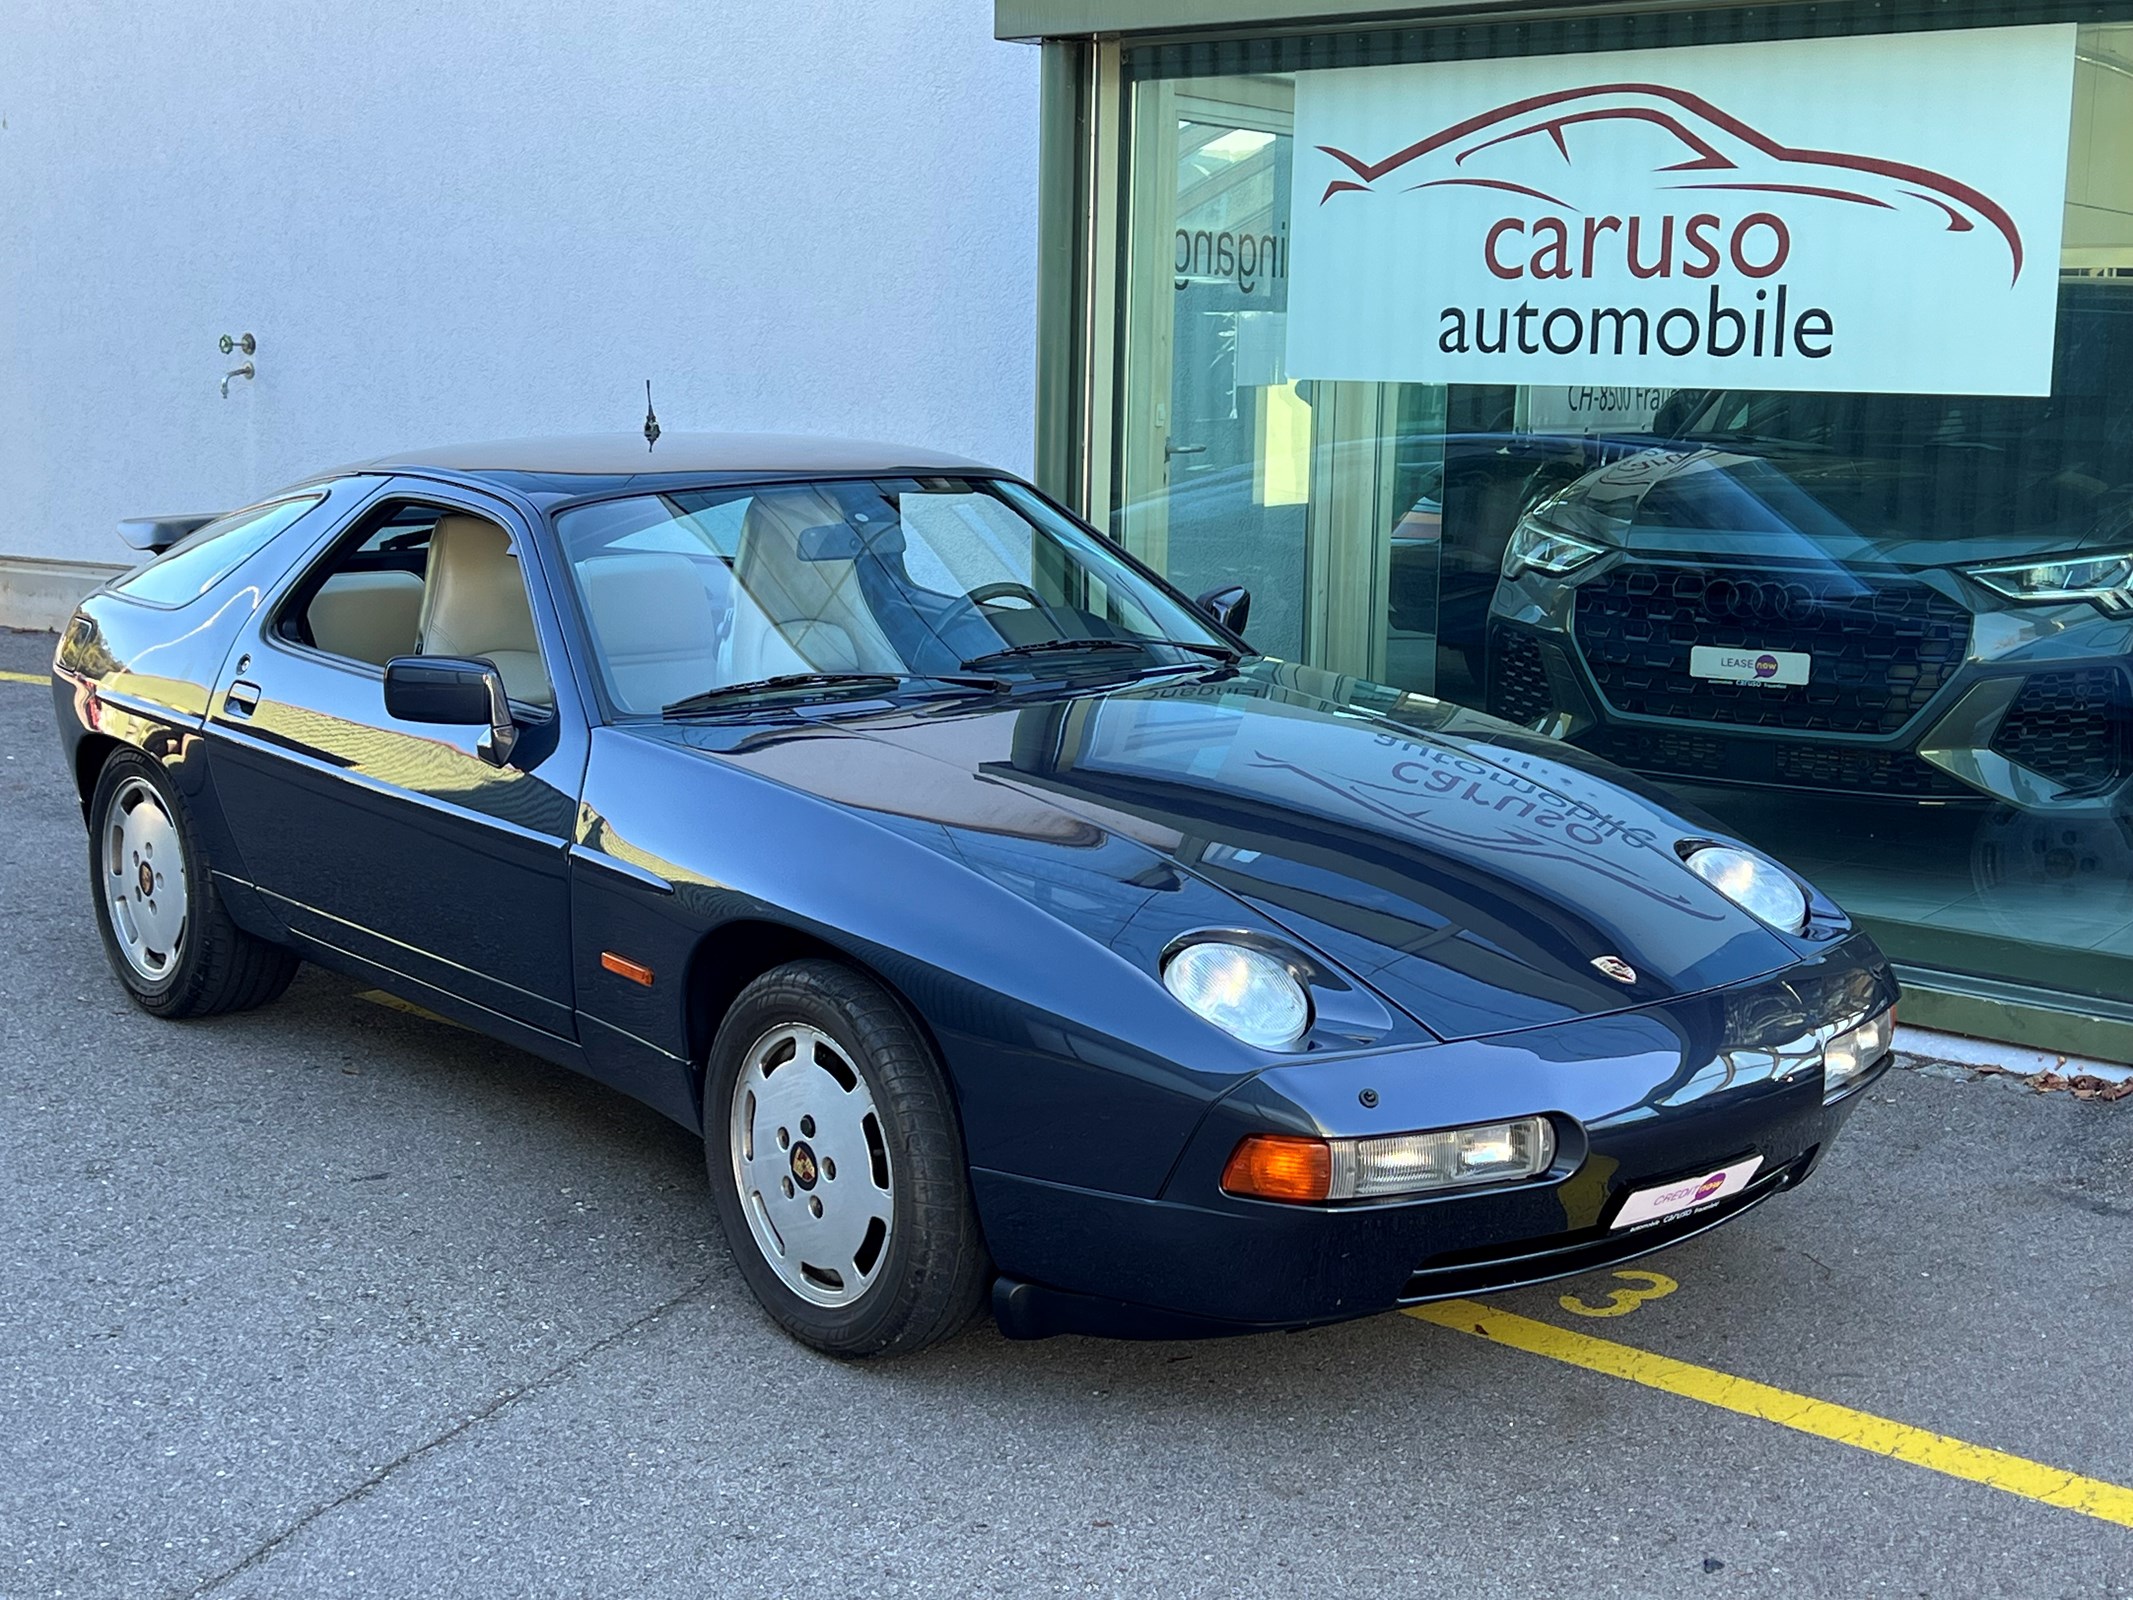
(332, 1299)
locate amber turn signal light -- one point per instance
(1279, 1166)
(624, 967)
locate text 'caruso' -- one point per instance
(1548, 249)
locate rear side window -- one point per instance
(203, 558)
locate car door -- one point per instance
(398, 843)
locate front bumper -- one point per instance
(1639, 1098)
(1921, 686)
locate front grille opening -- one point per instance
(1518, 680)
(1881, 647)
(1508, 1266)
(2073, 727)
(1801, 762)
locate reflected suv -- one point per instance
(1917, 596)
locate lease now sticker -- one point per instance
(1749, 666)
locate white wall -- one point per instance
(466, 219)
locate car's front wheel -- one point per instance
(165, 931)
(837, 1165)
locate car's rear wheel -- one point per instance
(837, 1165)
(166, 933)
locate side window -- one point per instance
(204, 557)
(415, 579)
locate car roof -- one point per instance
(609, 455)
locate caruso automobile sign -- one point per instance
(1875, 214)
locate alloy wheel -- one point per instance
(144, 879)
(811, 1165)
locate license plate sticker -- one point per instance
(1688, 1194)
(1777, 667)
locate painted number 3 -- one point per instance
(1621, 1302)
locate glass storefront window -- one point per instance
(1888, 636)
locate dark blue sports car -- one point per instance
(1006, 925)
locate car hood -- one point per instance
(1792, 505)
(1468, 877)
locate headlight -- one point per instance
(1242, 991)
(1536, 547)
(1758, 886)
(1282, 1166)
(2104, 581)
(1852, 1050)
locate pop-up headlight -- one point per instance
(1243, 991)
(1757, 885)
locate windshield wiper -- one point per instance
(1041, 647)
(817, 685)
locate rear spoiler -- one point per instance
(157, 534)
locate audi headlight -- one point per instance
(1756, 884)
(1537, 547)
(2103, 581)
(1242, 991)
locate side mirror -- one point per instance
(1230, 605)
(455, 691)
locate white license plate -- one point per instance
(1749, 666)
(1689, 1194)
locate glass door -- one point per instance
(1215, 442)
(1320, 498)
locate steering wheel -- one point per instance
(985, 595)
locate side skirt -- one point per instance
(507, 1030)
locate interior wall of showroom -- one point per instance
(445, 223)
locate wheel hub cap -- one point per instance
(144, 879)
(811, 1164)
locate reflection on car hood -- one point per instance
(1471, 884)
(1788, 504)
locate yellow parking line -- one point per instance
(24, 677)
(392, 1002)
(1996, 1469)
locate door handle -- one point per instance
(242, 699)
(1170, 449)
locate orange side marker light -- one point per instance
(623, 967)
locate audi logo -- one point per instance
(1746, 600)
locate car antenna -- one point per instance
(651, 421)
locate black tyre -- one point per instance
(837, 1165)
(165, 931)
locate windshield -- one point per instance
(692, 591)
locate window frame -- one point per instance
(122, 586)
(308, 576)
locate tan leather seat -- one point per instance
(657, 623)
(367, 616)
(792, 615)
(474, 604)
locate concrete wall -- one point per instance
(490, 218)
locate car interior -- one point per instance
(425, 580)
(689, 592)
(673, 622)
